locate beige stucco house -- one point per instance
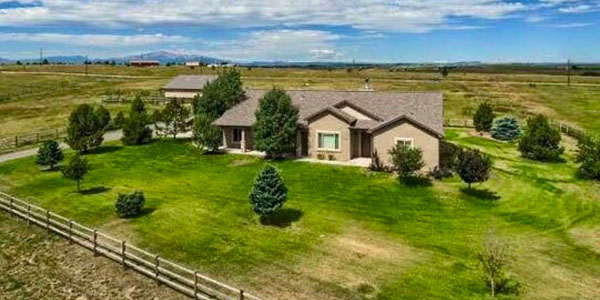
(347, 125)
(186, 87)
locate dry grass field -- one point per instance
(41, 97)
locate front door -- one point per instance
(366, 144)
(304, 142)
(354, 141)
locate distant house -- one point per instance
(144, 63)
(186, 87)
(349, 125)
(192, 63)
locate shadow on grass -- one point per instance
(104, 149)
(416, 181)
(282, 218)
(146, 211)
(95, 190)
(484, 194)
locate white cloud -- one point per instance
(280, 45)
(97, 40)
(571, 25)
(384, 15)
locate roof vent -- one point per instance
(368, 87)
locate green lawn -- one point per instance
(344, 231)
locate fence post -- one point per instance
(95, 241)
(156, 258)
(196, 285)
(241, 294)
(123, 253)
(28, 214)
(71, 230)
(16, 141)
(11, 206)
(48, 220)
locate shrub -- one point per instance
(206, 135)
(76, 169)
(49, 154)
(130, 205)
(483, 118)
(540, 141)
(119, 120)
(473, 166)
(449, 154)
(377, 165)
(269, 192)
(275, 127)
(506, 129)
(320, 156)
(588, 156)
(406, 160)
(86, 127)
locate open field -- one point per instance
(40, 101)
(345, 233)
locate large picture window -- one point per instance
(329, 141)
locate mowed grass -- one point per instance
(345, 233)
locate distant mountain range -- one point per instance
(162, 56)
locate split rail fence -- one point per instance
(188, 282)
(11, 143)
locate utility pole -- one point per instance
(41, 56)
(569, 72)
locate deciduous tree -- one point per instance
(473, 166)
(76, 169)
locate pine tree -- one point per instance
(275, 127)
(135, 131)
(473, 166)
(76, 169)
(174, 119)
(49, 154)
(506, 129)
(588, 156)
(206, 135)
(220, 94)
(269, 192)
(86, 127)
(540, 141)
(484, 117)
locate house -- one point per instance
(347, 125)
(144, 63)
(192, 63)
(186, 87)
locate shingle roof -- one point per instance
(425, 108)
(189, 82)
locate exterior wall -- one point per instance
(181, 94)
(327, 122)
(385, 139)
(228, 138)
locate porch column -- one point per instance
(243, 142)
(298, 143)
(225, 137)
(359, 144)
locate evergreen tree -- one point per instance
(119, 120)
(49, 154)
(588, 156)
(473, 166)
(220, 94)
(135, 131)
(540, 141)
(206, 135)
(130, 205)
(269, 192)
(174, 119)
(275, 127)
(406, 160)
(484, 117)
(76, 169)
(86, 127)
(506, 129)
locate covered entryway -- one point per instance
(361, 144)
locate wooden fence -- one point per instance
(181, 279)
(574, 132)
(31, 138)
(466, 123)
(115, 98)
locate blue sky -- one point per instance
(309, 30)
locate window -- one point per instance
(406, 142)
(237, 135)
(329, 141)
